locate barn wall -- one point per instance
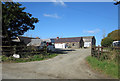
(69, 45)
(59, 45)
(73, 45)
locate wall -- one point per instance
(60, 45)
(73, 45)
(68, 45)
(87, 44)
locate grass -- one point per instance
(107, 67)
(29, 59)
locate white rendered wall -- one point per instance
(87, 44)
(59, 45)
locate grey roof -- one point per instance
(47, 40)
(72, 39)
(35, 42)
(88, 38)
(26, 40)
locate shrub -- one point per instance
(28, 59)
(106, 42)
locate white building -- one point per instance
(89, 41)
(58, 45)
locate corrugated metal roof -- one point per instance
(26, 40)
(47, 40)
(35, 42)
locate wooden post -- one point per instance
(14, 48)
(101, 50)
(98, 51)
(91, 51)
(95, 52)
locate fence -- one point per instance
(22, 50)
(97, 51)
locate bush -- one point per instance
(106, 42)
(29, 58)
(114, 34)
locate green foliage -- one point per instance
(114, 35)
(106, 42)
(110, 56)
(28, 59)
(15, 21)
(107, 67)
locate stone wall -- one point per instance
(73, 45)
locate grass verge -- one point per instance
(29, 59)
(107, 67)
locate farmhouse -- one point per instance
(73, 42)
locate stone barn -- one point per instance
(72, 42)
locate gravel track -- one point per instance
(71, 65)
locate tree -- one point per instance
(114, 35)
(117, 2)
(15, 21)
(106, 42)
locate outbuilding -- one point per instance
(89, 41)
(72, 42)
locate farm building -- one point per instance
(50, 40)
(25, 40)
(89, 41)
(35, 42)
(73, 42)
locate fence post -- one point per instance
(98, 51)
(91, 50)
(14, 48)
(95, 51)
(101, 50)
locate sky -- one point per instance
(72, 19)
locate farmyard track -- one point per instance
(64, 66)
